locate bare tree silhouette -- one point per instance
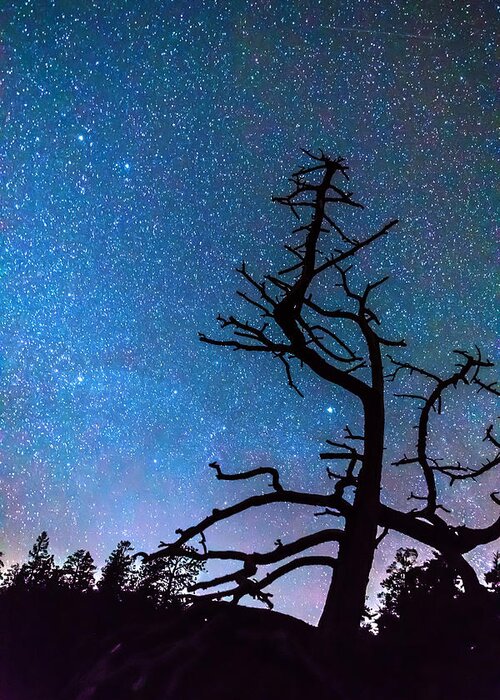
(343, 345)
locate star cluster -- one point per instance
(141, 142)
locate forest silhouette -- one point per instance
(154, 625)
(134, 632)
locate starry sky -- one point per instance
(140, 144)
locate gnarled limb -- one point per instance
(278, 495)
(467, 373)
(281, 551)
(253, 588)
(250, 474)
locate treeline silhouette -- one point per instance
(434, 639)
(160, 582)
(56, 621)
(65, 632)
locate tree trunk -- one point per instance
(345, 601)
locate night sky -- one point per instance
(140, 145)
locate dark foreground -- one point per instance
(61, 646)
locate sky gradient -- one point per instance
(140, 145)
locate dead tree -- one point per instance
(299, 328)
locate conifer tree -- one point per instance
(12, 577)
(166, 581)
(118, 572)
(416, 593)
(77, 572)
(396, 582)
(40, 569)
(492, 577)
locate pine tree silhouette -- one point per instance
(77, 572)
(40, 569)
(492, 577)
(166, 581)
(118, 575)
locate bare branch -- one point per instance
(265, 311)
(400, 366)
(362, 244)
(312, 333)
(383, 534)
(328, 511)
(490, 437)
(259, 286)
(203, 542)
(467, 373)
(254, 559)
(351, 436)
(254, 588)
(218, 515)
(250, 474)
(289, 377)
